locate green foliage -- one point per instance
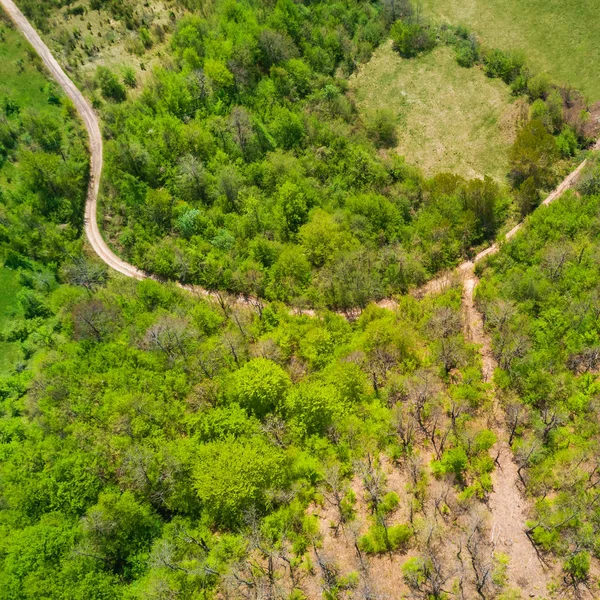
(503, 65)
(243, 165)
(466, 54)
(381, 127)
(260, 386)
(379, 539)
(577, 567)
(454, 462)
(546, 348)
(117, 529)
(109, 85)
(233, 476)
(533, 155)
(43, 164)
(567, 142)
(411, 39)
(154, 442)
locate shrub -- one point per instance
(109, 85)
(381, 127)
(410, 39)
(533, 154)
(577, 567)
(260, 386)
(538, 86)
(466, 54)
(589, 184)
(454, 461)
(567, 142)
(502, 65)
(379, 539)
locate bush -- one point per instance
(410, 39)
(466, 54)
(260, 386)
(379, 540)
(381, 127)
(589, 184)
(502, 65)
(109, 85)
(538, 86)
(533, 154)
(577, 567)
(454, 461)
(567, 142)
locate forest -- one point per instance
(242, 165)
(158, 443)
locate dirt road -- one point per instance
(92, 125)
(95, 136)
(508, 508)
(463, 270)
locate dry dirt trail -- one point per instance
(465, 269)
(92, 126)
(508, 508)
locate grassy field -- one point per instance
(449, 118)
(560, 37)
(9, 286)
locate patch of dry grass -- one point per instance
(449, 118)
(84, 42)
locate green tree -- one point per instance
(260, 386)
(294, 207)
(532, 155)
(232, 477)
(411, 39)
(117, 529)
(109, 85)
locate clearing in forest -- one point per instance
(123, 36)
(556, 36)
(450, 118)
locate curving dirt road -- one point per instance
(92, 125)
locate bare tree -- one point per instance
(170, 335)
(240, 124)
(335, 492)
(191, 178)
(86, 273)
(373, 480)
(93, 319)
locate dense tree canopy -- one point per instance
(155, 444)
(243, 166)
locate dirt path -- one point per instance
(92, 125)
(507, 506)
(95, 136)
(463, 270)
